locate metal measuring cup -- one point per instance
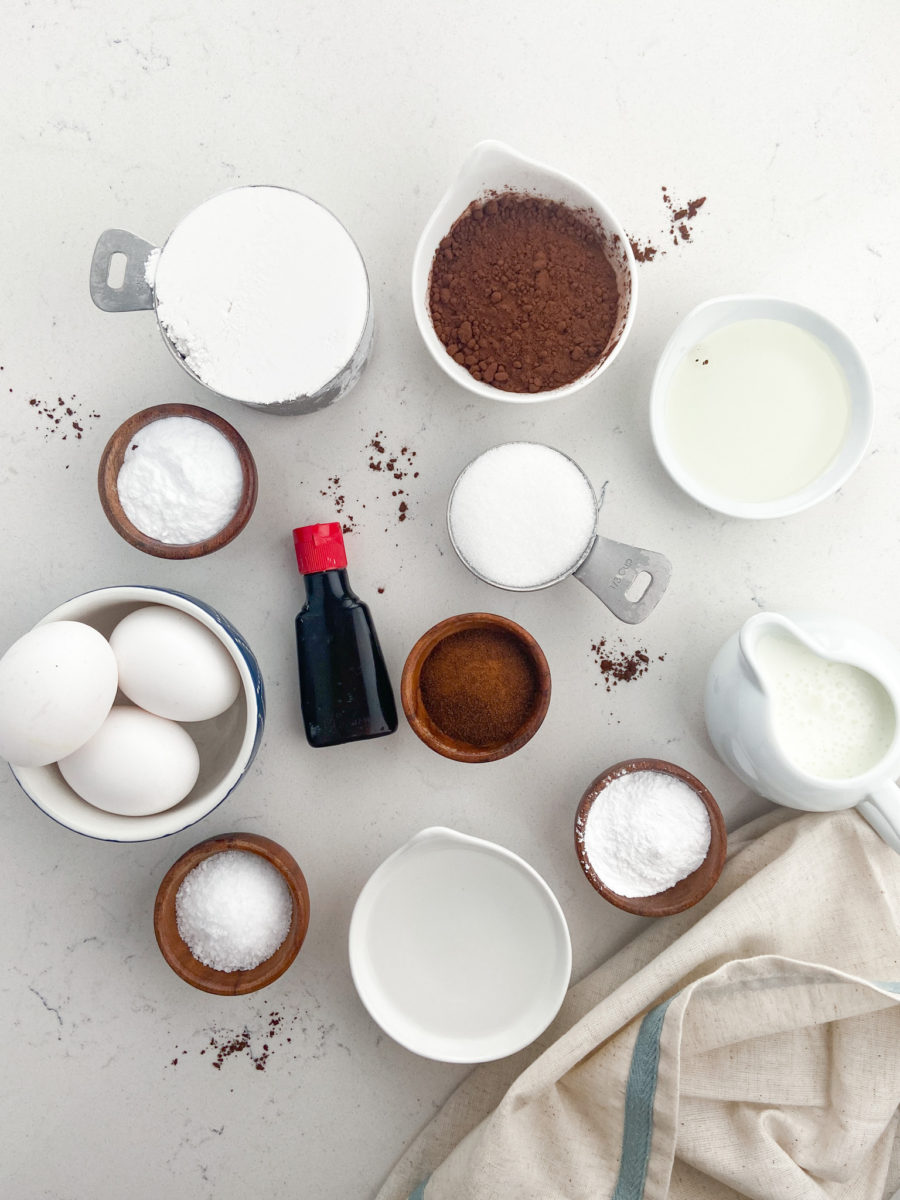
(136, 292)
(609, 569)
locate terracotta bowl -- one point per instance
(688, 891)
(111, 463)
(173, 947)
(418, 716)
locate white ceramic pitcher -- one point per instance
(741, 724)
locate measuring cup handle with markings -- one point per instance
(610, 570)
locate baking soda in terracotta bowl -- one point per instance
(263, 296)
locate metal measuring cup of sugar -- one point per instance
(349, 321)
(629, 580)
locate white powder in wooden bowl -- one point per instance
(645, 831)
(180, 481)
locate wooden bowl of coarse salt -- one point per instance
(232, 913)
(177, 481)
(650, 837)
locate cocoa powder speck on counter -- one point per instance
(398, 467)
(620, 665)
(334, 491)
(61, 418)
(680, 227)
(271, 1032)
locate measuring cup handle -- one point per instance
(610, 569)
(135, 292)
(881, 808)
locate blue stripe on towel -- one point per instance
(639, 1096)
(419, 1193)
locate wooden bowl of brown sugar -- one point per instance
(476, 687)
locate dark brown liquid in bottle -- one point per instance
(345, 690)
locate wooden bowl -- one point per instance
(175, 950)
(687, 891)
(111, 463)
(420, 719)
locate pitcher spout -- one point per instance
(756, 627)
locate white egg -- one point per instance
(135, 764)
(57, 684)
(173, 666)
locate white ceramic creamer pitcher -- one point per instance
(805, 709)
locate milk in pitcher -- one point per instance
(831, 720)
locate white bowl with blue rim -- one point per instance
(227, 743)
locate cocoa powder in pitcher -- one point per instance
(523, 294)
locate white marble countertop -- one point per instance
(783, 115)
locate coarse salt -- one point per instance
(233, 910)
(180, 481)
(262, 293)
(645, 831)
(522, 515)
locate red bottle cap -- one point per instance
(320, 548)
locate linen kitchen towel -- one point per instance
(748, 1047)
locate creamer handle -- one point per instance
(881, 808)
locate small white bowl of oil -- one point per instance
(760, 407)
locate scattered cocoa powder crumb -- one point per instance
(55, 416)
(680, 215)
(620, 665)
(332, 489)
(643, 252)
(223, 1045)
(680, 230)
(398, 466)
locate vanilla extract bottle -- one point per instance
(345, 690)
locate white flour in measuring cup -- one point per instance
(262, 293)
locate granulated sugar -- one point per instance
(522, 514)
(180, 480)
(644, 831)
(263, 293)
(233, 910)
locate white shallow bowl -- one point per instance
(459, 949)
(227, 743)
(720, 312)
(495, 167)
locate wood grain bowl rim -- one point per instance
(173, 947)
(111, 462)
(686, 892)
(418, 716)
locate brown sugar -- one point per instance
(479, 686)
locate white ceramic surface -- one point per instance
(494, 167)
(716, 314)
(740, 721)
(227, 743)
(458, 948)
